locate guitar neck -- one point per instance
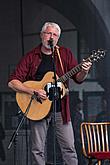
(70, 73)
(95, 56)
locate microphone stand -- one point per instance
(55, 98)
(21, 122)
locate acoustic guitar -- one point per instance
(39, 110)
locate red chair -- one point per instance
(95, 139)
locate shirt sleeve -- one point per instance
(22, 69)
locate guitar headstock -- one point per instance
(97, 55)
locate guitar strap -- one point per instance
(58, 53)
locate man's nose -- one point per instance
(51, 35)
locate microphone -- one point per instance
(50, 42)
(36, 96)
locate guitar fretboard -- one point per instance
(69, 74)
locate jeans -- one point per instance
(64, 135)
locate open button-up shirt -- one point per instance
(28, 65)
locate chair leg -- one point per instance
(99, 162)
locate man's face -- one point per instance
(49, 33)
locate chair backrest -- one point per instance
(95, 137)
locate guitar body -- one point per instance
(37, 110)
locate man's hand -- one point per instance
(41, 94)
(81, 76)
(86, 65)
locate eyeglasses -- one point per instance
(50, 34)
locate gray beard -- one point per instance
(46, 46)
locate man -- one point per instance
(33, 66)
